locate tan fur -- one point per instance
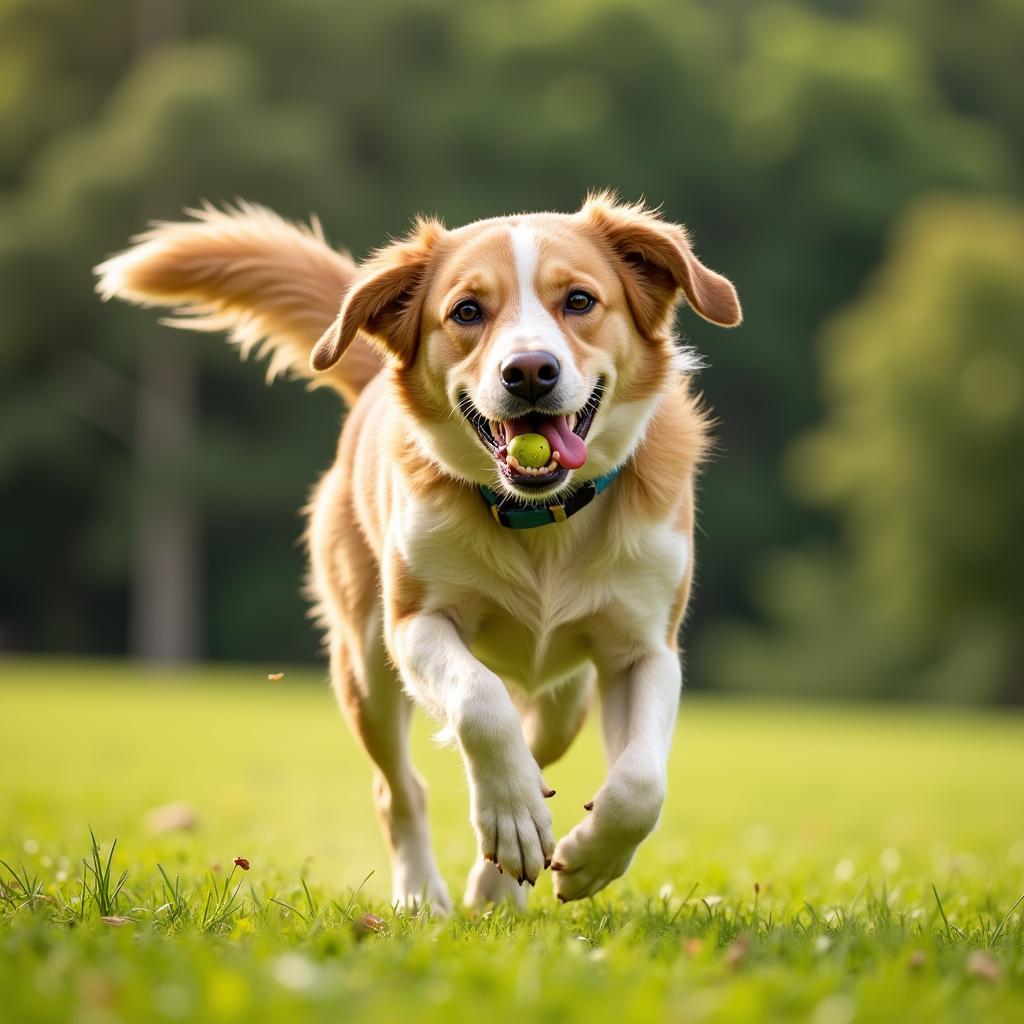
(274, 287)
(500, 633)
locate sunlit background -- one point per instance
(855, 167)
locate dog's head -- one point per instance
(557, 326)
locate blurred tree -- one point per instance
(166, 581)
(922, 445)
(835, 126)
(788, 137)
(920, 453)
(974, 53)
(186, 122)
(59, 59)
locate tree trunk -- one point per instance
(166, 580)
(166, 584)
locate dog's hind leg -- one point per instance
(487, 884)
(378, 711)
(553, 718)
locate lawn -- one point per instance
(829, 862)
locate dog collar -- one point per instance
(526, 516)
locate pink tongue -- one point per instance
(571, 448)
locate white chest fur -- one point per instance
(535, 605)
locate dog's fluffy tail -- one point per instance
(275, 287)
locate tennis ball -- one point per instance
(530, 450)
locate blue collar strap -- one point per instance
(507, 511)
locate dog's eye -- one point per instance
(467, 312)
(579, 301)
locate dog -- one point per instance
(497, 593)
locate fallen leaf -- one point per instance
(275, 676)
(368, 924)
(116, 922)
(737, 952)
(174, 817)
(981, 965)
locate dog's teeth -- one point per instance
(516, 466)
(555, 456)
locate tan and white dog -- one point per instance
(446, 572)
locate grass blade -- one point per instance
(945, 920)
(1002, 924)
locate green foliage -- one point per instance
(800, 871)
(920, 455)
(921, 448)
(789, 136)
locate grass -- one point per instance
(831, 863)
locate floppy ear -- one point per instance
(657, 264)
(385, 301)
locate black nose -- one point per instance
(530, 375)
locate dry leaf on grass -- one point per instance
(174, 817)
(368, 924)
(981, 965)
(737, 952)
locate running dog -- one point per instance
(497, 591)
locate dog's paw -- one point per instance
(416, 881)
(588, 859)
(512, 822)
(601, 847)
(487, 885)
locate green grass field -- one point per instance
(791, 878)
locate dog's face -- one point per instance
(552, 325)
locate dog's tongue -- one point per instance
(571, 448)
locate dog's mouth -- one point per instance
(555, 440)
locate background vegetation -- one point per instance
(856, 167)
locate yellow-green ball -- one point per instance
(530, 450)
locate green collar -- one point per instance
(518, 516)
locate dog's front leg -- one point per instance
(509, 815)
(638, 716)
